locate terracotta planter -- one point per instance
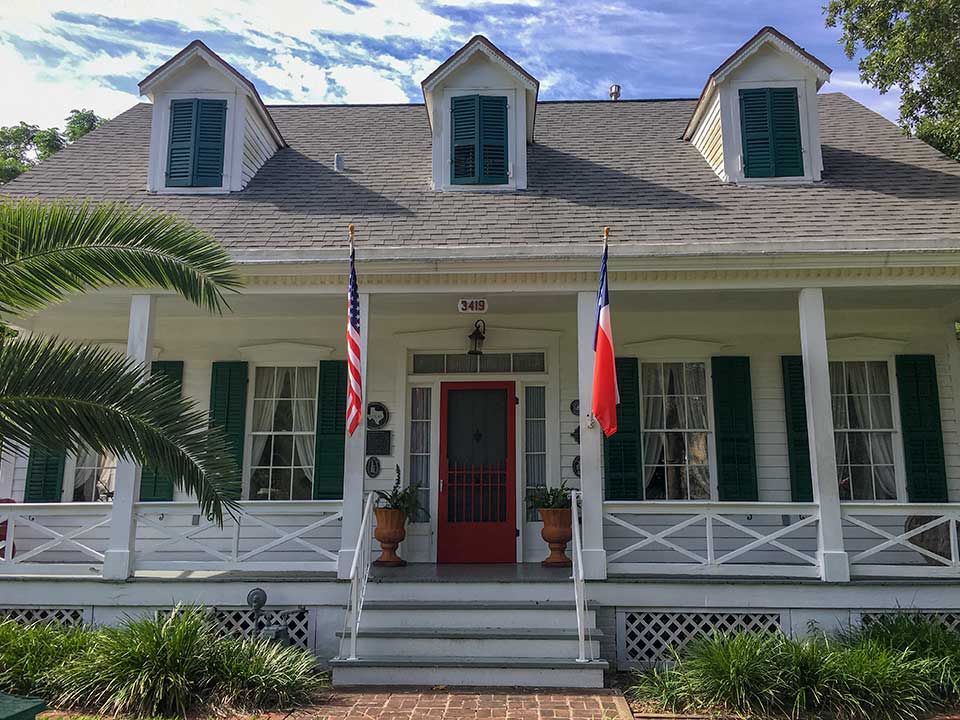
(557, 531)
(390, 531)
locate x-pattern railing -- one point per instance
(922, 525)
(17, 521)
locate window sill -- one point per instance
(509, 187)
(191, 191)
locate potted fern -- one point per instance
(392, 511)
(553, 505)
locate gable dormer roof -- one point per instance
(198, 48)
(480, 44)
(766, 35)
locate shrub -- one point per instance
(30, 655)
(256, 673)
(147, 667)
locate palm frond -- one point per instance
(49, 250)
(61, 395)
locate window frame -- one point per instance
(247, 485)
(445, 135)
(711, 430)
(69, 478)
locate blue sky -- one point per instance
(63, 54)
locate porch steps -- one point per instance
(469, 642)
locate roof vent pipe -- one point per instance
(338, 162)
(614, 92)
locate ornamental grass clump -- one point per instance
(31, 655)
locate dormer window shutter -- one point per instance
(770, 132)
(196, 147)
(478, 140)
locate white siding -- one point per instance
(708, 138)
(258, 145)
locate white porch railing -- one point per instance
(53, 538)
(359, 574)
(905, 540)
(679, 537)
(275, 535)
(579, 586)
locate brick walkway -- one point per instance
(464, 705)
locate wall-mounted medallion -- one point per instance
(576, 466)
(575, 408)
(373, 467)
(576, 435)
(378, 442)
(377, 415)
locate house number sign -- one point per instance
(472, 305)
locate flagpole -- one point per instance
(350, 230)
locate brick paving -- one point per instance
(483, 704)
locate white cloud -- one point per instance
(367, 85)
(849, 83)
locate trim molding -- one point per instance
(675, 347)
(846, 346)
(284, 351)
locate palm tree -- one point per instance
(63, 395)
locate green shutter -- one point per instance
(798, 446)
(44, 476)
(228, 405)
(154, 485)
(211, 129)
(770, 133)
(622, 459)
(733, 419)
(493, 140)
(180, 146)
(920, 426)
(331, 430)
(464, 139)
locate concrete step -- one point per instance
(476, 642)
(475, 591)
(389, 614)
(469, 671)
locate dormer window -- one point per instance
(770, 133)
(478, 140)
(195, 149)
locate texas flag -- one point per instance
(606, 394)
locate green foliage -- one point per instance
(911, 45)
(47, 142)
(549, 498)
(31, 655)
(399, 498)
(898, 668)
(80, 122)
(256, 674)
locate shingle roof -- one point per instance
(620, 164)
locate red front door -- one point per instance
(478, 502)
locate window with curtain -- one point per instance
(675, 431)
(863, 423)
(534, 441)
(420, 406)
(283, 433)
(94, 476)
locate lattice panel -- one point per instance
(27, 616)
(647, 637)
(950, 620)
(243, 623)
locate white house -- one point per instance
(784, 274)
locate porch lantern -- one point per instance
(477, 337)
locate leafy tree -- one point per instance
(64, 395)
(915, 46)
(47, 142)
(80, 122)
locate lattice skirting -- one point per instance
(647, 637)
(27, 616)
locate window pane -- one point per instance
(862, 480)
(886, 484)
(859, 451)
(837, 384)
(428, 364)
(858, 412)
(841, 442)
(676, 412)
(495, 362)
(856, 374)
(260, 485)
(676, 483)
(839, 411)
(879, 378)
(535, 436)
(697, 413)
(653, 412)
(655, 488)
(307, 382)
(261, 451)
(699, 482)
(696, 379)
(302, 486)
(673, 378)
(420, 437)
(303, 451)
(881, 448)
(283, 450)
(283, 416)
(536, 403)
(461, 363)
(676, 452)
(285, 381)
(653, 448)
(536, 467)
(843, 479)
(651, 379)
(305, 415)
(529, 362)
(420, 403)
(881, 411)
(262, 415)
(280, 484)
(264, 382)
(697, 448)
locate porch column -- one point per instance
(591, 444)
(834, 566)
(118, 558)
(353, 457)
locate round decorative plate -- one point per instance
(377, 415)
(373, 467)
(575, 407)
(576, 466)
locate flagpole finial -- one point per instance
(606, 233)
(350, 230)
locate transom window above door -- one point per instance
(283, 433)
(863, 424)
(674, 431)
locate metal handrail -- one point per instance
(579, 588)
(360, 573)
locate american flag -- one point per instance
(354, 391)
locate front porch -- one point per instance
(673, 517)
